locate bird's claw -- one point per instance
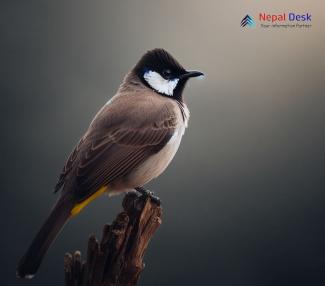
(149, 194)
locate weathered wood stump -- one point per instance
(118, 259)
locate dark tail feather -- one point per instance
(30, 262)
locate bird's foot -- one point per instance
(149, 194)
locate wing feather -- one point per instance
(113, 147)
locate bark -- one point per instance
(117, 260)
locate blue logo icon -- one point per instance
(247, 21)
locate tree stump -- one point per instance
(118, 259)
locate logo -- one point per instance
(287, 20)
(247, 21)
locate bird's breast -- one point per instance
(157, 163)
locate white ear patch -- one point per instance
(158, 83)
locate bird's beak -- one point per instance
(189, 74)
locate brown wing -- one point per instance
(114, 145)
(68, 166)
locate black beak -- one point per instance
(189, 74)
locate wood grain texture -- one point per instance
(117, 260)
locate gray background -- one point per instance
(244, 197)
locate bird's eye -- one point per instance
(166, 73)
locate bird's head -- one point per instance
(158, 70)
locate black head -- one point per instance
(161, 72)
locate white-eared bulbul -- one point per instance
(131, 140)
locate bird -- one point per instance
(131, 140)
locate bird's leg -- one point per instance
(147, 193)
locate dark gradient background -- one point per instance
(244, 197)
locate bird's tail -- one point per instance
(30, 262)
